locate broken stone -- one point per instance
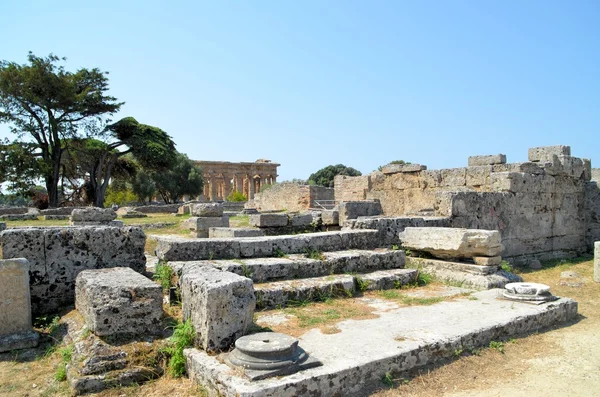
(16, 331)
(448, 243)
(118, 301)
(535, 264)
(545, 153)
(528, 292)
(268, 354)
(570, 278)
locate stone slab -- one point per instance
(93, 214)
(268, 220)
(545, 153)
(493, 261)
(354, 209)
(2, 226)
(396, 168)
(487, 160)
(300, 220)
(119, 301)
(15, 306)
(330, 218)
(398, 340)
(229, 232)
(597, 261)
(220, 305)
(207, 210)
(56, 217)
(386, 279)
(446, 243)
(19, 217)
(199, 226)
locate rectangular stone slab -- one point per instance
(357, 357)
(448, 243)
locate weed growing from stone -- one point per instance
(163, 275)
(246, 272)
(362, 285)
(499, 346)
(65, 353)
(314, 254)
(278, 252)
(183, 336)
(388, 380)
(395, 247)
(507, 267)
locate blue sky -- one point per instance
(313, 83)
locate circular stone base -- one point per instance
(528, 292)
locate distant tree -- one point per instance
(325, 176)
(44, 104)
(19, 167)
(143, 186)
(184, 177)
(296, 181)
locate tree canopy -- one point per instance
(45, 104)
(184, 177)
(325, 176)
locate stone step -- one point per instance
(172, 248)
(283, 293)
(295, 266)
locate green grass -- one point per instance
(314, 254)
(499, 346)
(164, 276)
(396, 295)
(66, 353)
(239, 221)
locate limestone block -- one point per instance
(520, 182)
(396, 168)
(131, 213)
(478, 175)
(19, 217)
(354, 209)
(487, 261)
(15, 307)
(587, 170)
(207, 210)
(93, 214)
(57, 211)
(118, 301)
(454, 177)
(300, 220)
(55, 217)
(227, 232)
(2, 226)
(268, 220)
(597, 261)
(330, 218)
(449, 243)
(220, 305)
(290, 244)
(487, 160)
(545, 153)
(256, 246)
(431, 178)
(200, 225)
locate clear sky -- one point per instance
(312, 83)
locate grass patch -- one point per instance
(239, 221)
(396, 295)
(164, 276)
(314, 254)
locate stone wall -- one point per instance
(545, 208)
(291, 197)
(57, 254)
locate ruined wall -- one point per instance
(291, 197)
(545, 208)
(57, 254)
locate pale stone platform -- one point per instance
(398, 340)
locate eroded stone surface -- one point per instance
(487, 160)
(219, 304)
(93, 214)
(207, 210)
(268, 220)
(228, 232)
(597, 261)
(449, 243)
(16, 331)
(118, 301)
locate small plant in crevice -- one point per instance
(395, 247)
(507, 267)
(278, 252)
(423, 279)
(496, 345)
(246, 272)
(388, 380)
(362, 285)
(65, 353)
(163, 275)
(183, 336)
(311, 253)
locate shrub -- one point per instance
(237, 197)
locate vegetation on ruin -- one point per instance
(183, 336)
(311, 253)
(239, 221)
(163, 275)
(325, 176)
(237, 197)
(398, 162)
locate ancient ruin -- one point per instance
(222, 177)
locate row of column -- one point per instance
(218, 187)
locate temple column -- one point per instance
(239, 183)
(250, 187)
(213, 188)
(226, 186)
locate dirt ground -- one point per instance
(559, 362)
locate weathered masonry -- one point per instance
(545, 208)
(222, 177)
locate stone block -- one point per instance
(200, 225)
(396, 168)
(118, 301)
(431, 178)
(256, 246)
(55, 217)
(330, 218)
(300, 220)
(448, 243)
(487, 160)
(2, 226)
(227, 232)
(354, 209)
(132, 213)
(15, 306)
(454, 177)
(19, 217)
(268, 220)
(207, 210)
(93, 214)
(487, 261)
(478, 175)
(220, 305)
(545, 153)
(597, 261)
